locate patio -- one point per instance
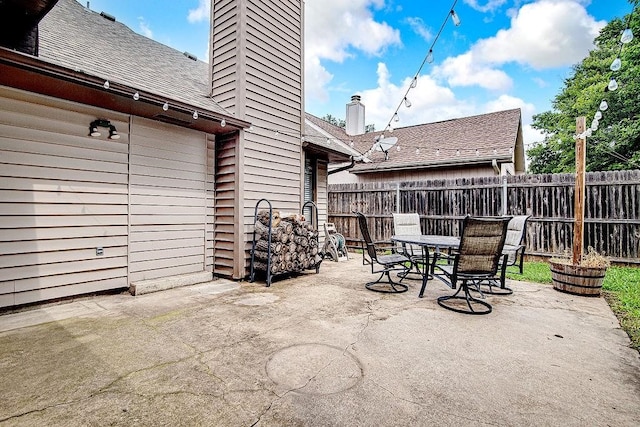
(317, 349)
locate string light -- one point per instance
(165, 106)
(603, 105)
(106, 84)
(430, 56)
(414, 83)
(195, 115)
(223, 123)
(407, 103)
(627, 36)
(396, 118)
(136, 96)
(455, 18)
(615, 65)
(613, 85)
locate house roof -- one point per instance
(78, 38)
(317, 138)
(461, 141)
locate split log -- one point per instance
(263, 217)
(262, 245)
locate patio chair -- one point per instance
(513, 244)
(383, 264)
(409, 224)
(335, 246)
(476, 260)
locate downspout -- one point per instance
(496, 168)
(343, 168)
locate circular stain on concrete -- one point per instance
(258, 299)
(314, 369)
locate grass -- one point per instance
(621, 289)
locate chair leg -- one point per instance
(388, 286)
(472, 303)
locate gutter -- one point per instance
(343, 168)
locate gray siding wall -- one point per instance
(168, 200)
(62, 195)
(345, 177)
(258, 74)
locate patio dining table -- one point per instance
(426, 241)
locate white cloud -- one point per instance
(544, 34)
(201, 13)
(418, 27)
(334, 30)
(467, 70)
(490, 6)
(145, 30)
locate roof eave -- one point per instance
(372, 168)
(32, 74)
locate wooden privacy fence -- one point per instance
(612, 209)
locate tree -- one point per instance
(615, 142)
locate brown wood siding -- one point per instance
(225, 199)
(62, 195)
(224, 59)
(210, 195)
(167, 200)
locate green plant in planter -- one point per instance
(582, 279)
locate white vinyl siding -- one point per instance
(62, 195)
(168, 200)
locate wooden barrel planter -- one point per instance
(577, 280)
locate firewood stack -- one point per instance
(294, 243)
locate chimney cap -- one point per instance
(355, 98)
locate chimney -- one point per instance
(355, 116)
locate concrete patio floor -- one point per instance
(317, 350)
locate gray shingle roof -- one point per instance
(75, 37)
(465, 140)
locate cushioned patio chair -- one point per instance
(514, 246)
(477, 260)
(409, 224)
(383, 264)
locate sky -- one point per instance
(504, 54)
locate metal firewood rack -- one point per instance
(266, 265)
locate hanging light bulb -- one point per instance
(223, 123)
(277, 133)
(396, 118)
(457, 152)
(397, 148)
(495, 151)
(627, 36)
(604, 105)
(588, 132)
(195, 115)
(407, 103)
(594, 125)
(351, 144)
(390, 129)
(165, 106)
(414, 83)
(615, 65)
(430, 56)
(613, 85)
(136, 96)
(477, 152)
(597, 115)
(455, 18)
(417, 150)
(437, 152)
(328, 141)
(106, 84)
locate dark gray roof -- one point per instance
(318, 137)
(77, 38)
(460, 141)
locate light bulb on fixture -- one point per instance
(195, 115)
(407, 103)
(397, 148)
(455, 18)
(627, 36)
(417, 151)
(430, 56)
(615, 65)
(597, 115)
(223, 123)
(457, 152)
(136, 96)
(165, 106)
(588, 132)
(328, 141)
(437, 152)
(414, 83)
(604, 105)
(594, 124)
(613, 85)
(396, 118)
(106, 84)
(477, 152)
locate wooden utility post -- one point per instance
(578, 228)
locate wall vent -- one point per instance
(191, 56)
(105, 15)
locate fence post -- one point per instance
(504, 195)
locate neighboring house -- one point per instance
(482, 145)
(185, 149)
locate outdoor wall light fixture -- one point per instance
(103, 123)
